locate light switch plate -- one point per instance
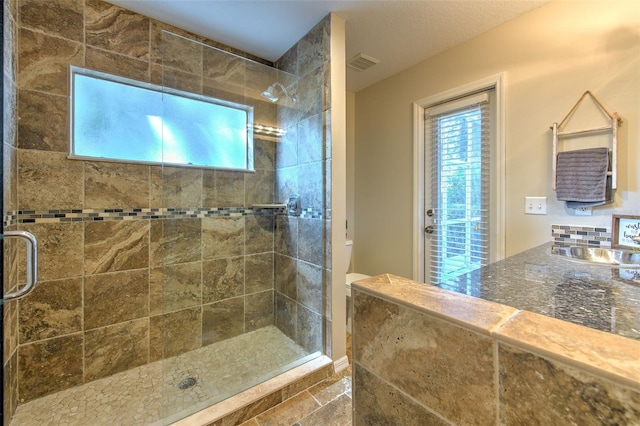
(535, 205)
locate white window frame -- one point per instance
(495, 82)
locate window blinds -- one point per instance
(458, 143)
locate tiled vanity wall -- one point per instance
(421, 352)
(103, 304)
(578, 235)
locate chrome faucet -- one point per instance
(294, 206)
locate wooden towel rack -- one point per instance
(616, 121)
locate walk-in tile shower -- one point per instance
(163, 288)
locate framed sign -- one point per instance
(624, 228)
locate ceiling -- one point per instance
(399, 33)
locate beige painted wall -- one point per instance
(550, 56)
(351, 170)
(338, 348)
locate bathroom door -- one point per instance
(457, 151)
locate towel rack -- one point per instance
(616, 121)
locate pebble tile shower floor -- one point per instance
(150, 395)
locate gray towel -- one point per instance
(581, 177)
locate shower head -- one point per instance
(270, 95)
(272, 92)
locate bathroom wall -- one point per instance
(107, 253)
(351, 172)
(303, 160)
(550, 57)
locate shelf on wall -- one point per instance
(269, 206)
(615, 122)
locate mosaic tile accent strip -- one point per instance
(90, 215)
(310, 213)
(578, 235)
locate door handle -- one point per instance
(32, 263)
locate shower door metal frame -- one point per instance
(2, 224)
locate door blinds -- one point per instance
(458, 137)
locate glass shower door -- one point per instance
(224, 268)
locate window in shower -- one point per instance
(119, 119)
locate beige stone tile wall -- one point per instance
(424, 355)
(302, 307)
(546, 392)
(443, 367)
(117, 294)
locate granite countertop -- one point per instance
(598, 297)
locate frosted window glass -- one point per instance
(121, 119)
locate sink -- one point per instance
(616, 258)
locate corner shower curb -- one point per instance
(250, 403)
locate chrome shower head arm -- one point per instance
(271, 93)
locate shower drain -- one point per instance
(186, 383)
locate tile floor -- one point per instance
(326, 404)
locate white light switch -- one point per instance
(535, 205)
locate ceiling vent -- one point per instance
(361, 62)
